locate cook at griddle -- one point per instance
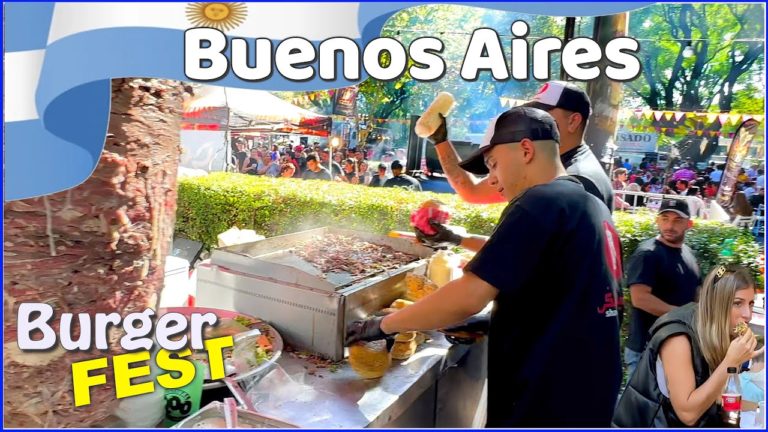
(548, 265)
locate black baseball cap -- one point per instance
(513, 126)
(675, 205)
(561, 94)
(396, 164)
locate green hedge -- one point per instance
(214, 203)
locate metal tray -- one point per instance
(272, 258)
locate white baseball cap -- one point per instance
(561, 94)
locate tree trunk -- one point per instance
(605, 94)
(99, 247)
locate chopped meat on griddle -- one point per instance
(334, 253)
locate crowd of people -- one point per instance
(699, 186)
(553, 268)
(348, 165)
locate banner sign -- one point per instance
(345, 102)
(636, 142)
(736, 155)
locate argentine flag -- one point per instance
(60, 58)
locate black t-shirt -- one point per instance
(376, 181)
(553, 358)
(581, 163)
(403, 181)
(256, 164)
(323, 174)
(240, 157)
(673, 275)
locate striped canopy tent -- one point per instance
(250, 111)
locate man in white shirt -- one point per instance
(695, 203)
(760, 182)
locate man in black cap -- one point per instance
(401, 180)
(662, 274)
(559, 366)
(570, 107)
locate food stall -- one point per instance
(217, 115)
(309, 286)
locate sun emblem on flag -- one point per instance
(221, 16)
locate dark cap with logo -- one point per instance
(396, 164)
(675, 205)
(564, 95)
(513, 126)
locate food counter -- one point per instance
(442, 385)
(310, 291)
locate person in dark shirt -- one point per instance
(380, 177)
(315, 171)
(401, 180)
(537, 361)
(570, 106)
(240, 156)
(661, 274)
(254, 165)
(350, 171)
(325, 159)
(680, 380)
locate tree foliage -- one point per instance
(725, 46)
(699, 57)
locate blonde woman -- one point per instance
(683, 370)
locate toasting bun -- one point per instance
(400, 303)
(430, 120)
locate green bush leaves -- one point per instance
(214, 203)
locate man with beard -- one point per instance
(662, 274)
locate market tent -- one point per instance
(251, 111)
